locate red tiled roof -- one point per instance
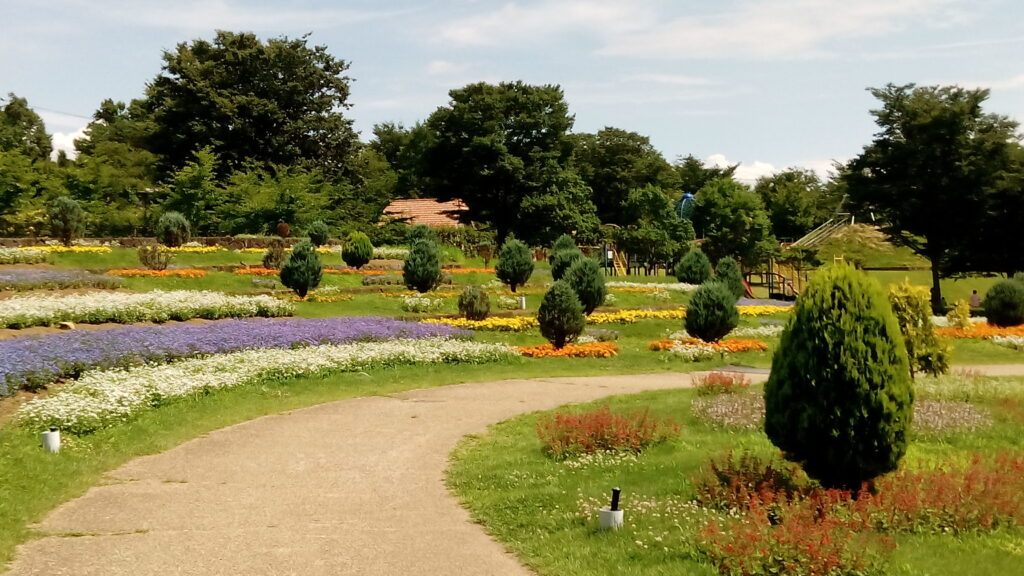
(427, 211)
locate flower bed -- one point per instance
(1014, 342)
(497, 324)
(567, 435)
(33, 362)
(156, 306)
(588, 350)
(260, 271)
(620, 286)
(50, 279)
(60, 248)
(193, 249)
(23, 256)
(171, 273)
(761, 310)
(730, 345)
(103, 398)
(980, 331)
(630, 316)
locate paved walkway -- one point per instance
(351, 487)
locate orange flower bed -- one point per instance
(133, 272)
(732, 345)
(589, 350)
(982, 331)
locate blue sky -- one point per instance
(771, 83)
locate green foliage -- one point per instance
(959, 315)
(560, 315)
(711, 313)
(274, 256)
(563, 242)
(587, 280)
(172, 229)
(303, 270)
(319, 233)
(728, 271)
(67, 219)
(474, 303)
(254, 103)
(938, 176)
(153, 258)
(732, 220)
(515, 264)
(505, 151)
(655, 235)
(693, 174)
(23, 131)
(420, 232)
(925, 351)
(694, 268)
(195, 193)
(562, 260)
(839, 399)
(1004, 303)
(358, 250)
(422, 267)
(796, 200)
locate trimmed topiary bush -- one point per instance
(728, 271)
(303, 270)
(563, 242)
(67, 219)
(563, 260)
(560, 315)
(515, 264)
(173, 229)
(587, 280)
(711, 313)
(358, 250)
(273, 258)
(839, 400)
(422, 267)
(1004, 303)
(925, 350)
(694, 267)
(318, 233)
(474, 303)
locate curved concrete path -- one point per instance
(351, 487)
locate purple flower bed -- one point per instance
(31, 279)
(31, 362)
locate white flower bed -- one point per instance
(942, 321)
(693, 352)
(156, 306)
(421, 303)
(670, 286)
(507, 302)
(1015, 342)
(758, 332)
(102, 398)
(22, 256)
(390, 253)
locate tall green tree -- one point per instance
(404, 150)
(614, 162)
(733, 222)
(935, 173)
(195, 192)
(273, 102)
(655, 233)
(693, 174)
(502, 148)
(796, 200)
(22, 130)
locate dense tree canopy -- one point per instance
(22, 130)
(694, 174)
(655, 235)
(502, 148)
(269, 103)
(796, 200)
(938, 175)
(733, 222)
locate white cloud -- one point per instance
(542, 20)
(780, 28)
(444, 68)
(746, 173)
(65, 141)
(1011, 83)
(672, 79)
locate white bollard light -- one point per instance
(51, 440)
(522, 302)
(610, 517)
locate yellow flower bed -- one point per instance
(497, 324)
(762, 310)
(192, 249)
(73, 249)
(630, 316)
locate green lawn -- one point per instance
(543, 510)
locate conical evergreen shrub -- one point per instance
(1004, 303)
(563, 242)
(563, 260)
(303, 270)
(318, 233)
(711, 313)
(587, 280)
(694, 268)
(173, 229)
(839, 400)
(728, 270)
(358, 250)
(515, 264)
(561, 315)
(422, 268)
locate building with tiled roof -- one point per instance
(427, 211)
